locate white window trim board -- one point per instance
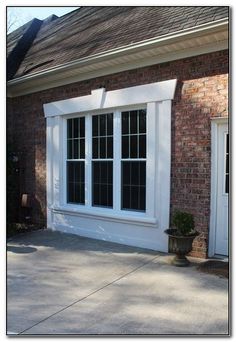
(100, 99)
(133, 228)
(215, 122)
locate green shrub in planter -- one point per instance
(183, 222)
(181, 236)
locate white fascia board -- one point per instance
(61, 74)
(100, 99)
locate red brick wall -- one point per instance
(201, 94)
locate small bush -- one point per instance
(183, 222)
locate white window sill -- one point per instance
(106, 215)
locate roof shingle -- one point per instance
(91, 30)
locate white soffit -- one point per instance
(100, 99)
(191, 42)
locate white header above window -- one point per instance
(100, 99)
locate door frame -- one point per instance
(215, 123)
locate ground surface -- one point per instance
(65, 284)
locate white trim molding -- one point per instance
(215, 122)
(189, 42)
(142, 229)
(100, 99)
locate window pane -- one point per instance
(133, 185)
(135, 177)
(133, 122)
(102, 148)
(227, 163)
(95, 148)
(82, 127)
(125, 123)
(109, 147)
(70, 192)
(142, 173)
(82, 149)
(109, 124)
(95, 125)
(69, 149)
(133, 146)
(142, 121)
(142, 198)
(133, 141)
(76, 149)
(75, 182)
(102, 125)
(126, 174)
(227, 184)
(75, 128)
(75, 145)
(125, 147)
(69, 128)
(135, 197)
(126, 197)
(102, 179)
(142, 146)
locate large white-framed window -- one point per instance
(105, 161)
(119, 161)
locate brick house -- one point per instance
(119, 116)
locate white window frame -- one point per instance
(156, 98)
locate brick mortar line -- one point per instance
(89, 295)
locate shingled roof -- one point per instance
(92, 30)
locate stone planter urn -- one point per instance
(181, 237)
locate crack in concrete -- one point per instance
(89, 295)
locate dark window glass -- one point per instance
(133, 146)
(82, 128)
(133, 183)
(82, 148)
(135, 173)
(126, 174)
(76, 149)
(109, 124)
(75, 144)
(133, 122)
(126, 197)
(102, 132)
(142, 121)
(109, 147)
(102, 148)
(75, 169)
(75, 182)
(142, 146)
(135, 198)
(69, 149)
(125, 123)
(102, 136)
(102, 179)
(69, 128)
(142, 197)
(95, 125)
(227, 165)
(134, 134)
(227, 184)
(125, 147)
(75, 128)
(95, 148)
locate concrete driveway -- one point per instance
(65, 284)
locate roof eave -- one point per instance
(204, 38)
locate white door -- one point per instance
(221, 239)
